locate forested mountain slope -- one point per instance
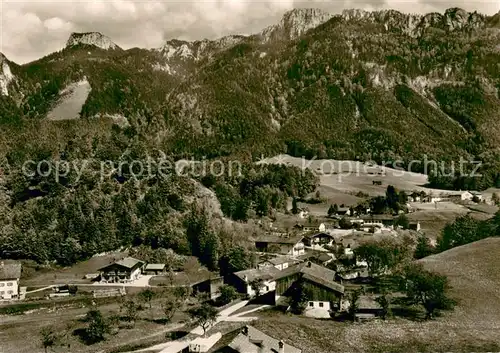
(360, 85)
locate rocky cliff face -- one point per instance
(91, 38)
(294, 23)
(6, 76)
(178, 57)
(413, 24)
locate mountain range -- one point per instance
(379, 85)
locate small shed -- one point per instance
(155, 269)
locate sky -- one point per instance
(32, 29)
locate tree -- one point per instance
(131, 310)
(377, 256)
(295, 208)
(345, 223)
(49, 338)
(402, 221)
(171, 303)
(147, 295)
(203, 241)
(236, 259)
(385, 303)
(331, 211)
(495, 199)
(423, 248)
(463, 231)
(392, 198)
(426, 288)
(97, 327)
(204, 315)
(227, 294)
(354, 303)
(299, 296)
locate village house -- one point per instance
(210, 286)
(386, 220)
(460, 196)
(344, 211)
(374, 227)
(122, 271)
(10, 273)
(155, 269)
(347, 245)
(244, 280)
(477, 195)
(323, 258)
(285, 244)
(324, 293)
(250, 340)
(414, 226)
(278, 262)
(432, 199)
(303, 213)
(318, 240)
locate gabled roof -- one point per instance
(292, 239)
(279, 260)
(314, 273)
(128, 263)
(251, 340)
(265, 274)
(10, 271)
(155, 267)
(323, 257)
(317, 235)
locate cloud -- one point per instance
(34, 28)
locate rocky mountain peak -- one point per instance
(294, 23)
(413, 24)
(91, 38)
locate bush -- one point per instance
(227, 294)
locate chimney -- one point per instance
(245, 278)
(308, 263)
(281, 345)
(244, 330)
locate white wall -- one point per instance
(135, 274)
(316, 305)
(266, 287)
(9, 286)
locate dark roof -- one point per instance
(279, 260)
(128, 263)
(316, 235)
(314, 273)
(10, 271)
(323, 257)
(253, 341)
(378, 217)
(292, 239)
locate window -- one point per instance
(10, 284)
(10, 292)
(320, 305)
(267, 288)
(2, 284)
(311, 304)
(2, 292)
